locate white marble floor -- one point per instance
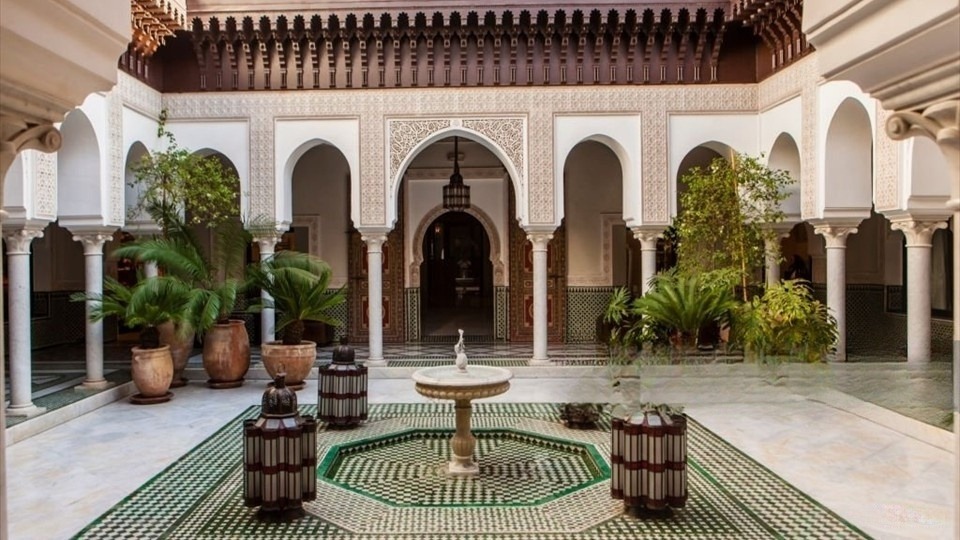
(889, 475)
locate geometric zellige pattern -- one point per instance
(730, 495)
(585, 305)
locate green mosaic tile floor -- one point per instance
(731, 496)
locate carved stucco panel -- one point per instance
(261, 196)
(139, 96)
(115, 156)
(784, 84)
(405, 135)
(887, 165)
(809, 103)
(45, 176)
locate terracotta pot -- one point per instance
(152, 371)
(295, 360)
(226, 354)
(180, 349)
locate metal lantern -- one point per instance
(456, 194)
(279, 456)
(648, 454)
(342, 400)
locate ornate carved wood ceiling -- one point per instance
(153, 21)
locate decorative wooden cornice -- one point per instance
(153, 21)
(778, 24)
(455, 49)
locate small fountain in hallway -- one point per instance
(462, 383)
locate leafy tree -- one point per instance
(175, 182)
(727, 210)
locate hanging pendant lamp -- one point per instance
(456, 195)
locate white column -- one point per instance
(18, 257)
(919, 235)
(772, 248)
(539, 241)
(836, 237)
(375, 297)
(93, 277)
(268, 317)
(648, 256)
(150, 269)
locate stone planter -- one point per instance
(152, 372)
(294, 360)
(226, 354)
(180, 349)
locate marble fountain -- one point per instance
(462, 384)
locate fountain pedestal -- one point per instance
(462, 386)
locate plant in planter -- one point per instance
(728, 208)
(147, 305)
(177, 188)
(683, 304)
(298, 286)
(214, 290)
(786, 322)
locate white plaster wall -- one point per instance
(687, 131)
(16, 199)
(83, 174)
(229, 137)
(423, 195)
(138, 127)
(592, 180)
(293, 137)
(844, 202)
(865, 251)
(785, 118)
(320, 189)
(924, 177)
(621, 134)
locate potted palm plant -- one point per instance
(298, 289)
(214, 289)
(146, 305)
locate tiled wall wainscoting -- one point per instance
(585, 306)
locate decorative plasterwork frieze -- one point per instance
(809, 158)
(45, 178)
(139, 96)
(539, 105)
(115, 166)
(407, 134)
(887, 163)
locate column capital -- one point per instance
(647, 237)
(940, 122)
(93, 241)
(374, 242)
(267, 241)
(540, 240)
(18, 134)
(18, 240)
(835, 235)
(918, 233)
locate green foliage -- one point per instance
(685, 303)
(727, 208)
(177, 182)
(214, 283)
(786, 321)
(298, 285)
(145, 305)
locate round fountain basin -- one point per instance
(448, 382)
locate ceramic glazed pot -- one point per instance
(226, 354)
(295, 360)
(152, 371)
(180, 349)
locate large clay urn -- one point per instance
(180, 348)
(226, 354)
(152, 371)
(294, 360)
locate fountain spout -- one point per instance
(461, 351)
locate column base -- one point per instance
(381, 362)
(25, 411)
(459, 469)
(540, 362)
(94, 385)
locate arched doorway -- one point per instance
(456, 277)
